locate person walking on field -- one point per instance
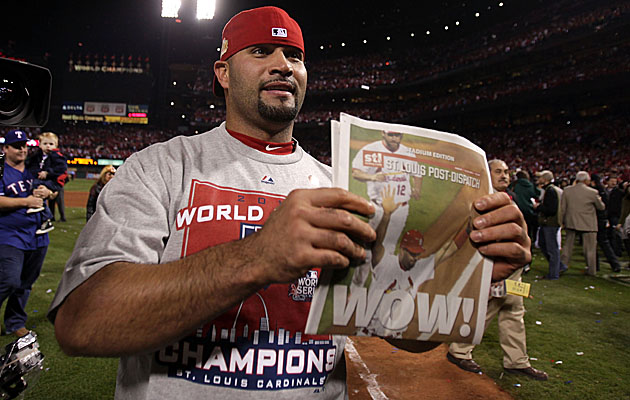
(549, 217)
(510, 311)
(579, 215)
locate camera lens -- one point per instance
(13, 96)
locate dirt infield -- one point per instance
(384, 372)
(379, 371)
(75, 199)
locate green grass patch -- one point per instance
(79, 185)
(580, 340)
(63, 377)
(573, 318)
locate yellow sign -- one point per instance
(517, 288)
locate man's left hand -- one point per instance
(501, 234)
(42, 192)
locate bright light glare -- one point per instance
(205, 9)
(170, 8)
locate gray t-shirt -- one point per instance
(176, 198)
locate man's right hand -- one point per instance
(311, 228)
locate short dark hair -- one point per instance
(522, 174)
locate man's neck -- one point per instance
(279, 134)
(19, 166)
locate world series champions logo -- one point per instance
(257, 345)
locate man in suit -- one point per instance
(509, 308)
(579, 206)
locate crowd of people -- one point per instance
(594, 144)
(379, 69)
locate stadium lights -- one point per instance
(477, 15)
(170, 8)
(205, 9)
(501, 4)
(428, 32)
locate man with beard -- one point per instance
(380, 179)
(190, 289)
(377, 179)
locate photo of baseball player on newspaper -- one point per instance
(422, 278)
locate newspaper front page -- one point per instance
(422, 278)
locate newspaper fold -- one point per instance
(422, 279)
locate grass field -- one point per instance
(576, 315)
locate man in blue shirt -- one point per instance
(22, 252)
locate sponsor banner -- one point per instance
(98, 108)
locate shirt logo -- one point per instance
(268, 180)
(304, 288)
(278, 32)
(272, 148)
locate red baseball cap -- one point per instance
(261, 25)
(412, 241)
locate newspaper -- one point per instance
(423, 279)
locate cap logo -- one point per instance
(18, 134)
(278, 32)
(224, 47)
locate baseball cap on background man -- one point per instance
(15, 136)
(264, 25)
